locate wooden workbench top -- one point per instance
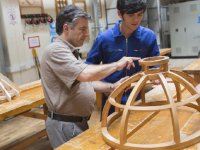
(165, 51)
(158, 130)
(193, 67)
(31, 96)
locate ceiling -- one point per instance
(166, 2)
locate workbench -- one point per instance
(194, 69)
(31, 96)
(165, 51)
(156, 131)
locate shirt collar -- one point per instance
(59, 39)
(117, 32)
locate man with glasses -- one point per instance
(68, 82)
(127, 38)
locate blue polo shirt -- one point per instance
(111, 45)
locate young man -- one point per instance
(126, 38)
(66, 79)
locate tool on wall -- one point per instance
(37, 62)
(36, 19)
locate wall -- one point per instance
(1, 46)
(1, 57)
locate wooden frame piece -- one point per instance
(81, 4)
(172, 104)
(165, 51)
(7, 88)
(59, 5)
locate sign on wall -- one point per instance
(12, 17)
(34, 42)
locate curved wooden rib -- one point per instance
(173, 109)
(114, 103)
(126, 84)
(165, 106)
(118, 100)
(143, 95)
(105, 114)
(184, 82)
(194, 106)
(125, 115)
(178, 91)
(185, 76)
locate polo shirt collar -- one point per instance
(59, 39)
(117, 32)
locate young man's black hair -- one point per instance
(130, 6)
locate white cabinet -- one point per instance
(185, 29)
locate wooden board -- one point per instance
(155, 131)
(194, 69)
(165, 51)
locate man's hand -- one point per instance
(126, 62)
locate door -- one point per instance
(193, 27)
(177, 30)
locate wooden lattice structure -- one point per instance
(171, 104)
(7, 88)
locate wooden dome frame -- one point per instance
(140, 80)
